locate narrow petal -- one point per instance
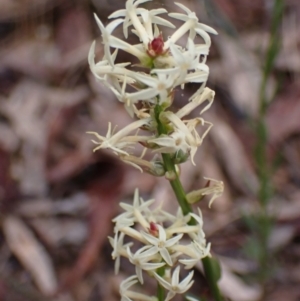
(166, 256)
(163, 282)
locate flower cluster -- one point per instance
(147, 86)
(170, 66)
(158, 237)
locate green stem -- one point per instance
(160, 289)
(212, 277)
(177, 187)
(263, 167)
(160, 292)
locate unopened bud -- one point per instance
(194, 196)
(156, 47)
(180, 157)
(157, 169)
(153, 230)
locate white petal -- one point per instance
(175, 276)
(172, 241)
(163, 282)
(166, 256)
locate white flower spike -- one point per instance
(151, 239)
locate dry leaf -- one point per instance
(233, 156)
(57, 232)
(234, 288)
(241, 73)
(30, 253)
(75, 205)
(283, 115)
(20, 9)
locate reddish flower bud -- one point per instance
(157, 45)
(153, 229)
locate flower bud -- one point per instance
(156, 47)
(180, 157)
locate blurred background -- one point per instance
(57, 197)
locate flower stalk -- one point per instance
(180, 194)
(155, 236)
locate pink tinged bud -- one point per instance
(157, 45)
(153, 229)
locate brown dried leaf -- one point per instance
(235, 289)
(233, 156)
(35, 58)
(241, 72)
(30, 253)
(73, 30)
(281, 236)
(75, 205)
(242, 13)
(288, 210)
(103, 190)
(283, 115)
(37, 104)
(57, 232)
(20, 9)
(209, 167)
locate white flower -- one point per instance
(111, 41)
(141, 261)
(196, 77)
(135, 210)
(176, 287)
(119, 141)
(119, 249)
(122, 221)
(134, 234)
(191, 125)
(103, 70)
(135, 50)
(148, 18)
(127, 295)
(125, 285)
(197, 100)
(216, 189)
(129, 99)
(184, 137)
(191, 24)
(160, 85)
(161, 244)
(106, 35)
(187, 60)
(184, 61)
(172, 143)
(198, 236)
(196, 252)
(130, 14)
